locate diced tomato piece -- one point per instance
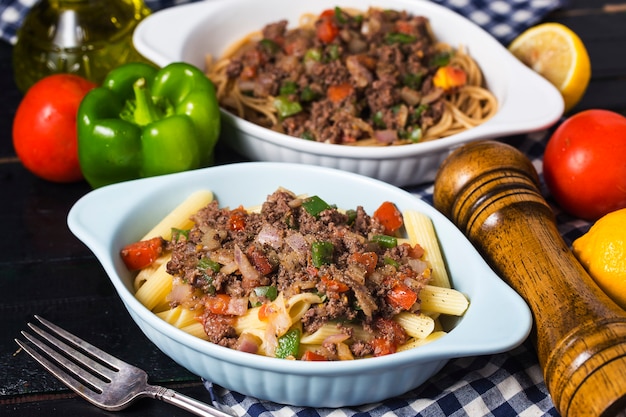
(390, 335)
(312, 271)
(139, 255)
(334, 285)
(405, 27)
(389, 216)
(449, 77)
(263, 313)
(218, 304)
(312, 356)
(402, 296)
(367, 259)
(326, 30)
(248, 73)
(327, 14)
(237, 219)
(383, 346)
(338, 92)
(259, 259)
(416, 251)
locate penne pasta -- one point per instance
(332, 328)
(179, 316)
(147, 272)
(415, 325)
(420, 230)
(180, 217)
(316, 338)
(299, 304)
(155, 288)
(196, 329)
(413, 343)
(248, 321)
(443, 300)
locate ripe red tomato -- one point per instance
(584, 164)
(44, 127)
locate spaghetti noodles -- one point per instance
(353, 78)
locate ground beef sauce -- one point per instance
(380, 64)
(274, 248)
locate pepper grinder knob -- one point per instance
(491, 191)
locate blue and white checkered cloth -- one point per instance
(504, 19)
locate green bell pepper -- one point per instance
(145, 121)
(288, 344)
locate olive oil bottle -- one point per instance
(82, 37)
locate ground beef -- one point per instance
(233, 252)
(379, 54)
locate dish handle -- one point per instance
(529, 102)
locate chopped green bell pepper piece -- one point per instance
(307, 94)
(206, 263)
(288, 87)
(314, 205)
(441, 59)
(385, 241)
(397, 37)
(268, 291)
(269, 46)
(145, 121)
(312, 55)
(391, 261)
(288, 344)
(286, 107)
(415, 135)
(321, 253)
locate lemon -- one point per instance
(558, 54)
(602, 251)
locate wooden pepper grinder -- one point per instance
(491, 192)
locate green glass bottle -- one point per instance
(82, 37)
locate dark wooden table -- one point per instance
(45, 270)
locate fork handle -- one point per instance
(186, 403)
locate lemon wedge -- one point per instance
(558, 54)
(602, 251)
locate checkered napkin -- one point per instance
(506, 384)
(504, 19)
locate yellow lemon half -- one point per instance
(602, 251)
(558, 54)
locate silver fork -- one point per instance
(100, 378)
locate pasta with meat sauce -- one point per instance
(377, 78)
(298, 278)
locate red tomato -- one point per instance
(389, 216)
(401, 296)
(138, 255)
(218, 304)
(584, 164)
(327, 30)
(237, 220)
(367, 259)
(44, 127)
(312, 356)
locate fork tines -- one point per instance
(63, 352)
